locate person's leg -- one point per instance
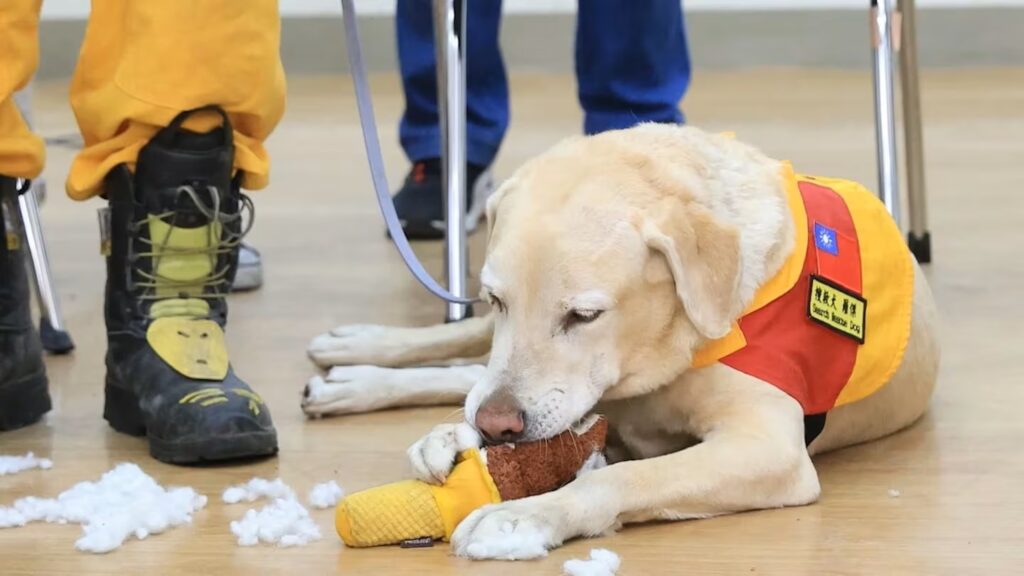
(632, 62)
(21, 152)
(419, 202)
(487, 108)
(174, 101)
(142, 63)
(24, 397)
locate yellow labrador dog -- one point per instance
(636, 274)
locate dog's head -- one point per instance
(603, 274)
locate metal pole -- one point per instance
(52, 332)
(450, 49)
(918, 238)
(882, 26)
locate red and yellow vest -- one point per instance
(831, 327)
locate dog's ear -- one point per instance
(493, 202)
(703, 256)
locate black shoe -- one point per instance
(420, 201)
(175, 231)
(24, 397)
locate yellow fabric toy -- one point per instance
(414, 511)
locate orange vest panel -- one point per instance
(850, 264)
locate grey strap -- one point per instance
(376, 159)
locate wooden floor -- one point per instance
(959, 473)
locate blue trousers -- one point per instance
(632, 66)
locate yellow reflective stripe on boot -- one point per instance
(194, 348)
(183, 258)
(183, 261)
(205, 397)
(180, 308)
(254, 399)
(201, 394)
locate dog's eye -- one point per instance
(496, 303)
(581, 316)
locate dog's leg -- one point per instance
(394, 347)
(752, 456)
(353, 389)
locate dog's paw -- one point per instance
(352, 345)
(515, 530)
(433, 456)
(345, 390)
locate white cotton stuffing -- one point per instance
(602, 563)
(284, 521)
(125, 502)
(596, 461)
(15, 464)
(325, 495)
(255, 489)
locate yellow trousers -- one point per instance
(141, 63)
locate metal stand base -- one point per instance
(921, 247)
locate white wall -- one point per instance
(74, 9)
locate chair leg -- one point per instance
(919, 238)
(882, 26)
(450, 47)
(52, 332)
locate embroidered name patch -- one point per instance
(837, 308)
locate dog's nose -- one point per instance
(500, 420)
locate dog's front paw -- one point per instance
(345, 390)
(433, 456)
(353, 345)
(516, 530)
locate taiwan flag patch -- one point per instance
(825, 238)
(838, 256)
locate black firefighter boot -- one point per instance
(23, 393)
(175, 227)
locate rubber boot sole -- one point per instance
(121, 410)
(23, 402)
(423, 230)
